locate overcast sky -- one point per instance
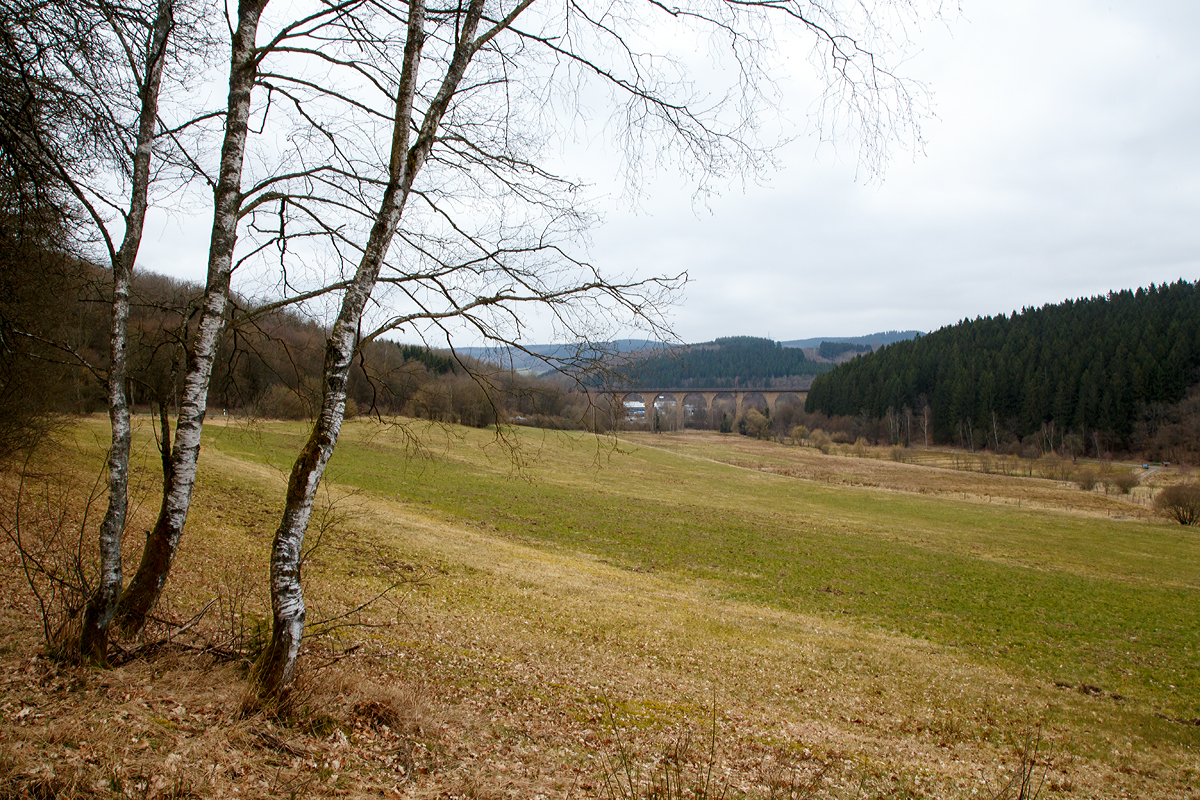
(1063, 161)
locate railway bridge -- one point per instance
(696, 402)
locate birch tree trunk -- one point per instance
(163, 541)
(102, 605)
(276, 666)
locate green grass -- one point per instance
(1059, 597)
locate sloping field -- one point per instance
(591, 604)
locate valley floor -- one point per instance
(573, 616)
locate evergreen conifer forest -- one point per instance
(745, 361)
(1091, 375)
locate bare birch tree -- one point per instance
(96, 69)
(161, 544)
(103, 603)
(91, 72)
(232, 202)
(454, 78)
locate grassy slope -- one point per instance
(597, 592)
(1069, 598)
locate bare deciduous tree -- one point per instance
(455, 79)
(232, 202)
(95, 69)
(161, 544)
(1180, 502)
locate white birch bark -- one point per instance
(163, 541)
(276, 667)
(102, 604)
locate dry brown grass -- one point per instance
(521, 672)
(172, 722)
(169, 727)
(935, 472)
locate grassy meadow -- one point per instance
(845, 627)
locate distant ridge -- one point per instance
(728, 362)
(541, 358)
(534, 362)
(875, 339)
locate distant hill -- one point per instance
(545, 358)
(876, 340)
(740, 360)
(736, 361)
(1094, 370)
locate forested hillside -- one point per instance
(54, 354)
(1096, 374)
(742, 361)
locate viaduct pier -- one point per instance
(694, 402)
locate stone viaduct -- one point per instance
(697, 401)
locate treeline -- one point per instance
(1091, 376)
(736, 361)
(792, 421)
(40, 324)
(268, 365)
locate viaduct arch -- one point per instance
(698, 401)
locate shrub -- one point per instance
(1010, 465)
(1086, 478)
(799, 432)
(1048, 466)
(1180, 502)
(1123, 482)
(898, 454)
(281, 402)
(752, 423)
